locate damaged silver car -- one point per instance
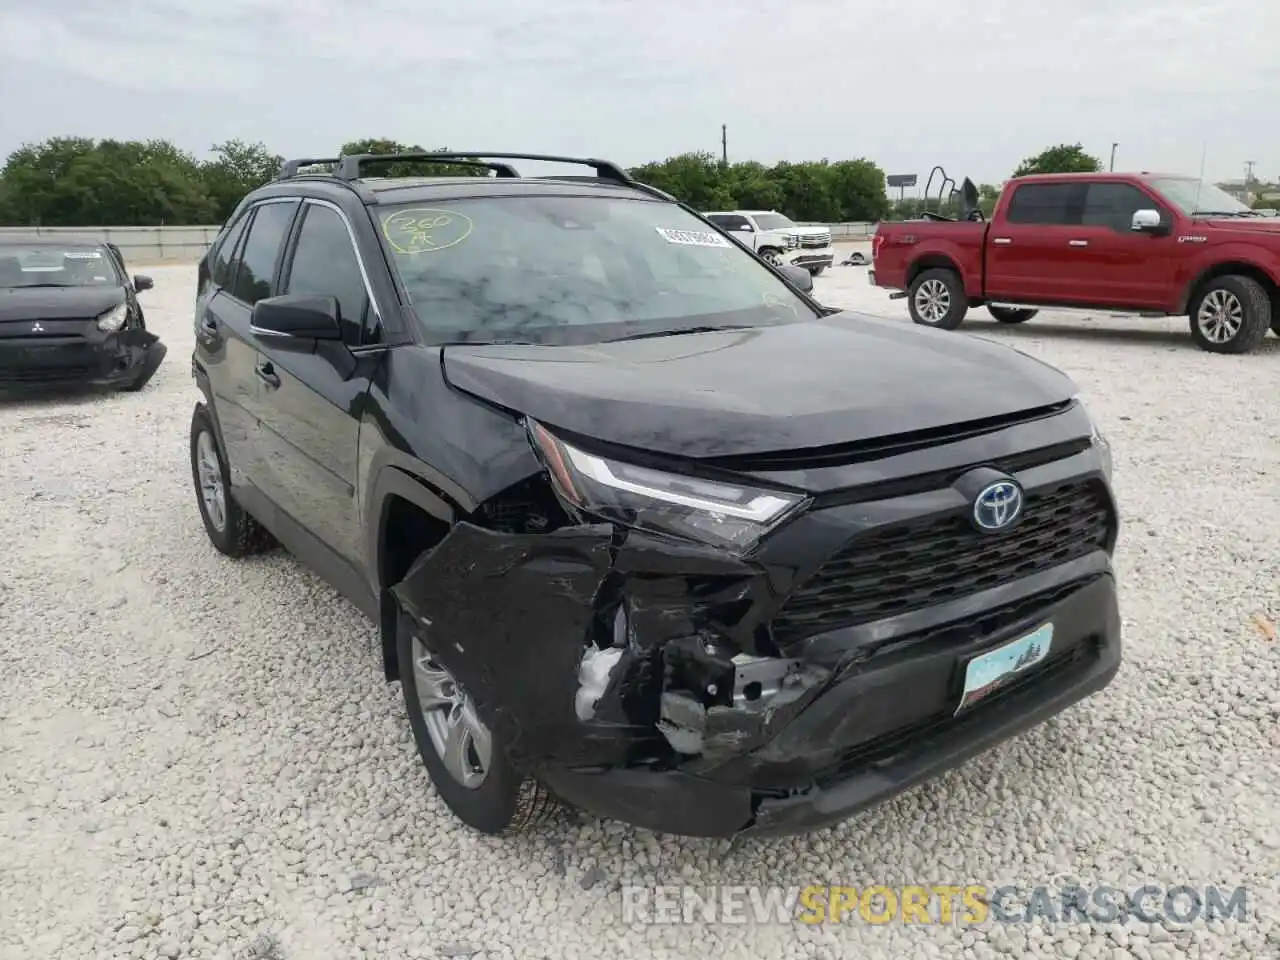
(646, 529)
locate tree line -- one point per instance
(73, 181)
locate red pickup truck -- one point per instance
(1142, 243)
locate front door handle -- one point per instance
(209, 326)
(1003, 241)
(1077, 243)
(267, 374)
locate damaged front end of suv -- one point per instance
(703, 654)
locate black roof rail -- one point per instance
(290, 168)
(349, 167)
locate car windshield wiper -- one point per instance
(676, 331)
(1223, 213)
(38, 286)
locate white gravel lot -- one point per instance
(199, 758)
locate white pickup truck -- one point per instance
(777, 239)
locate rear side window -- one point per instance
(324, 262)
(261, 251)
(221, 270)
(1050, 204)
(1114, 204)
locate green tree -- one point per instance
(407, 168)
(236, 169)
(79, 182)
(698, 179)
(1064, 158)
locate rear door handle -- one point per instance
(267, 374)
(1077, 243)
(1003, 241)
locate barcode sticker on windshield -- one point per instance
(692, 238)
(82, 255)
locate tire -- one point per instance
(503, 801)
(237, 534)
(1011, 315)
(817, 271)
(772, 255)
(1231, 314)
(936, 299)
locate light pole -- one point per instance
(1113, 156)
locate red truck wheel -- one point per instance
(1010, 315)
(1231, 314)
(936, 298)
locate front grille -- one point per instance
(819, 241)
(918, 564)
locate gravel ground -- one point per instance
(198, 757)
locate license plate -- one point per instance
(990, 671)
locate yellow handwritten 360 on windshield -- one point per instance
(424, 230)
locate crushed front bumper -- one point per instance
(845, 720)
(77, 354)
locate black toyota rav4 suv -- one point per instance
(646, 529)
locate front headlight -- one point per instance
(113, 319)
(714, 512)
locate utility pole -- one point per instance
(724, 144)
(1248, 171)
(1113, 156)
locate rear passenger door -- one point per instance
(310, 423)
(1028, 255)
(242, 270)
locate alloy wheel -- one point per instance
(933, 301)
(457, 733)
(212, 492)
(1220, 316)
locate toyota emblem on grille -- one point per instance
(998, 506)
(36, 328)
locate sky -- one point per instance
(974, 86)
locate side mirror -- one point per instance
(747, 228)
(798, 276)
(142, 282)
(297, 322)
(1146, 221)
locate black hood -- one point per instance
(839, 379)
(57, 303)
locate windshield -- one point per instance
(1197, 197)
(56, 265)
(772, 221)
(572, 270)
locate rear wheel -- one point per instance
(1231, 315)
(467, 762)
(936, 298)
(230, 529)
(1011, 315)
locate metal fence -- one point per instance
(140, 245)
(155, 245)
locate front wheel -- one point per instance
(936, 298)
(817, 271)
(1011, 315)
(1231, 315)
(770, 255)
(467, 762)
